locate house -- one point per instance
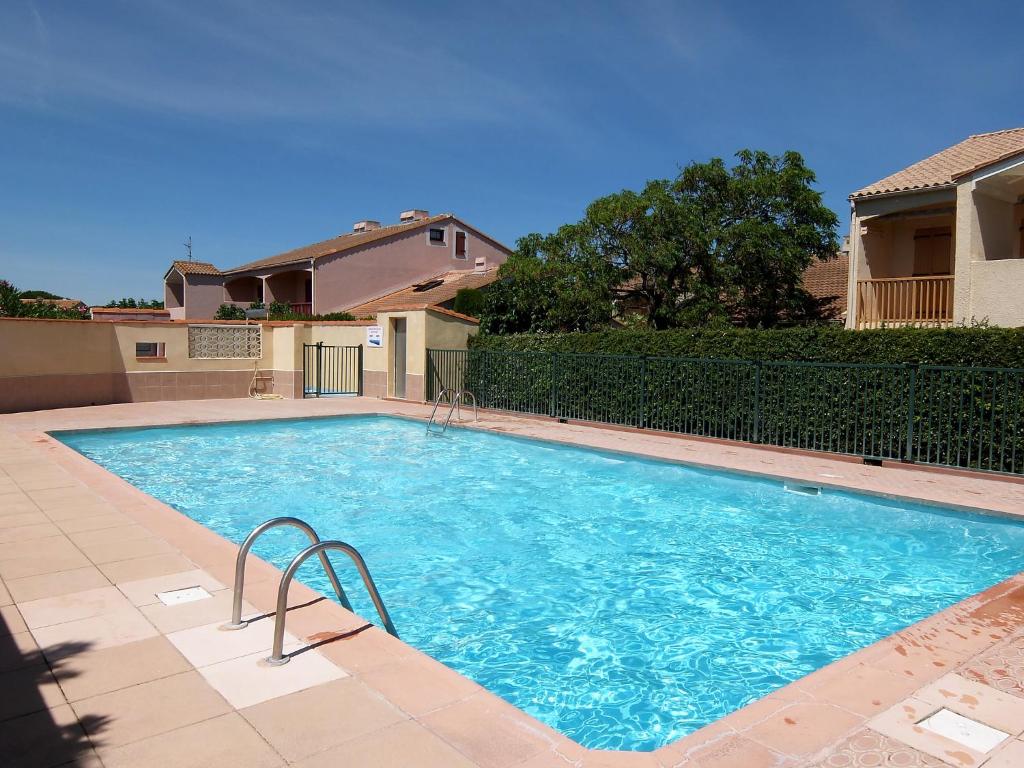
(115, 314)
(337, 274)
(942, 241)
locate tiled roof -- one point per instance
(59, 303)
(942, 169)
(439, 289)
(129, 311)
(338, 244)
(827, 280)
(195, 268)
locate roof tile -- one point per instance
(449, 284)
(195, 268)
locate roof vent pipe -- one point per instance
(480, 265)
(366, 225)
(414, 215)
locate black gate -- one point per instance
(330, 370)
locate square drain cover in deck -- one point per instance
(963, 730)
(186, 595)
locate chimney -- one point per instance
(480, 265)
(414, 215)
(365, 225)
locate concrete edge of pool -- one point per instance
(409, 704)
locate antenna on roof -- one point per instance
(188, 247)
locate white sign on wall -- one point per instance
(374, 336)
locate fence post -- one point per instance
(553, 404)
(911, 398)
(359, 364)
(643, 392)
(757, 401)
(319, 365)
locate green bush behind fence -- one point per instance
(952, 416)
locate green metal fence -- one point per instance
(959, 417)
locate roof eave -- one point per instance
(898, 192)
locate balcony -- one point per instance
(302, 308)
(903, 301)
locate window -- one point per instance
(149, 349)
(437, 236)
(460, 245)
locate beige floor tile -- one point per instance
(13, 504)
(144, 591)
(51, 478)
(1010, 755)
(866, 690)
(21, 519)
(249, 680)
(209, 644)
(64, 497)
(110, 669)
(47, 738)
(35, 566)
(867, 749)
(54, 584)
(303, 723)
(145, 567)
(5, 596)
(145, 710)
(127, 532)
(93, 522)
(48, 546)
(173, 618)
(28, 690)
(225, 742)
(19, 650)
(979, 702)
(28, 532)
(79, 511)
(11, 620)
(419, 684)
(101, 552)
(73, 606)
(900, 723)
(404, 744)
(489, 732)
(110, 629)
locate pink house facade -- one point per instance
(338, 274)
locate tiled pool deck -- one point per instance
(94, 670)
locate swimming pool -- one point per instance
(622, 601)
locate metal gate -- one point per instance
(328, 370)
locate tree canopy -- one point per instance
(714, 245)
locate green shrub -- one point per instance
(229, 312)
(961, 346)
(469, 301)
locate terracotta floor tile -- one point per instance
(607, 759)
(804, 728)
(48, 546)
(79, 511)
(869, 749)
(866, 690)
(73, 495)
(249, 680)
(732, 752)
(47, 738)
(101, 552)
(54, 584)
(34, 563)
(27, 690)
(487, 732)
(28, 532)
(145, 710)
(404, 744)
(73, 606)
(18, 650)
(419, 684)
(225, 742)
(11, 620)
(145, 567)
(304, 723)
(92, 673)
(110, 629)
(1002, 667)
(364, 650)
(144, 591)
(21, 519)
(5, 596)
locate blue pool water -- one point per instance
(624, 602)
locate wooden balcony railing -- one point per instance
(900, 301)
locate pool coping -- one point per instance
(904, 661)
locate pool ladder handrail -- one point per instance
(456, 403)
(316, 547)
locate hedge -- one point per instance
(961, 346)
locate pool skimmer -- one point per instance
(955, 727)
(802, 488)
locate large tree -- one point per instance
(715, 243)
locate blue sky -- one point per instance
(256, 126)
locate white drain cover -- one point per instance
(970, 733)
(186, 595)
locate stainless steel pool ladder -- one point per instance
(456, 400)
(316, 547)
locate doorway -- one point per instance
(398, 333)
